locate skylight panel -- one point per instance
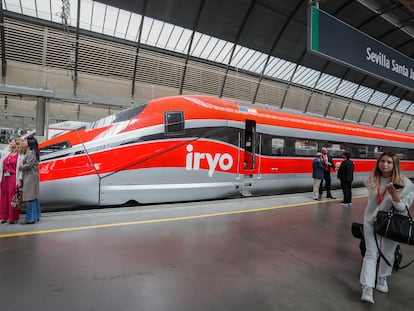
(306, 76)
(207, 45)
(347, 88)
(199, 43)
(122, 24)
(85, 21)
(378, 98)
(110, 21)
(284, 70)
(327, 83)
(43, 10)
(13, 6)
(133, 27)
(250, 60)
(391, 102)
(241, 56)
(272, 66)
(403, 105)
(28, 7)
(259, 63)
(164, 35)
(56, 11)
(147, 30)
(182, 41)
(222, 52)
(73, 12)
(239, 52)
(363, 93)
(98, 15)
(410, 109)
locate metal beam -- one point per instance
(246, 17)
(275, 42)
(25, 91)
(134, 74)
(75, 74)
(200, 10)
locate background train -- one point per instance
(186, 148)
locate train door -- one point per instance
(248, 164)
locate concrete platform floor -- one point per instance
(285, 252)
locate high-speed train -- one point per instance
(186, 148)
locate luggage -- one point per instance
(358, 233)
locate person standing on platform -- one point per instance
(9, 179)
(30, 180)
(346, 176)
(327, 162)
(317, 175)
(382, 194)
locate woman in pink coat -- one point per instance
(9, 177)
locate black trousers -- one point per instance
(347, 190)
(327, 181)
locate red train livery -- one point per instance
(186, 148)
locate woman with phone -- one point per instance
(387, 187)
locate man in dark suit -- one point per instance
(327, 162)
(346, 176)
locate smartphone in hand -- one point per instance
(398, 186)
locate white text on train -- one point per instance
(193, 160)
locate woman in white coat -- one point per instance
(384, 191)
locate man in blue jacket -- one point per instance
(317, 175)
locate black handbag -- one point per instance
(395, 226)
(357, 230)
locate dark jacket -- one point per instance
(332, 166)
(346, 171)
(317, 168)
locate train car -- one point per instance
(186, 148)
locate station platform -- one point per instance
(284, 252)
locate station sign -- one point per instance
(338, 41)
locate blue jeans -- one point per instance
(33, 211)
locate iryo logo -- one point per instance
(193, 160)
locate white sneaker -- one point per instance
(382, 285)
(367, 294)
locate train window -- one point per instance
(174, 122)
(55, 147)
(359, 151)
(123, 115)
(224, 134)
(278, 146)
(335, 149)
(378, 150)
(400, 154)
(272, 145)
(409, 154)
(306, 147)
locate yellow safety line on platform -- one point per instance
(138, 222)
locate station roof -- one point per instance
(253, 30)
(279, 28)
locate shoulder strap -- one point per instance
(386, 260)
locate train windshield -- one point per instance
(123, 115)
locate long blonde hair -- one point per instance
(396, 178)
(20, 148)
